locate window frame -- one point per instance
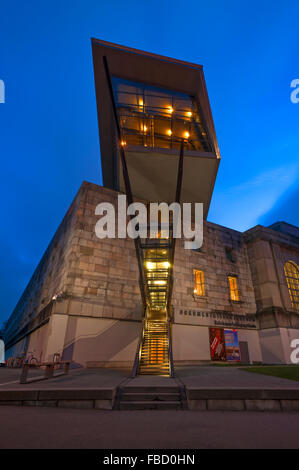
(202, 285)
(292, 283)
(159, 126)
(235, 290)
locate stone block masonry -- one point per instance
(83, 301)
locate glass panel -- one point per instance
(199, 287)
(154, 117)
(233, 288)
(292, 277)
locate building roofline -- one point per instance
(147, 54)
(262, 232)
(282, 222)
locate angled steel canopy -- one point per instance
(153, 171)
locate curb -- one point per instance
(101, 399)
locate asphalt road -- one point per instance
(35, 428)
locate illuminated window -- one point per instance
(292, 277)
(199, 282)
(233, 288)
(156, 117)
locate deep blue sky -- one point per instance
(48, 126)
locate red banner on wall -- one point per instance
(217, 344)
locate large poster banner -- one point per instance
(232, 347)
(217, 344)
(2, 352)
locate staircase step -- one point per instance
(154, 359)
(154, 396)
(153, 364)
(153, 367)
(150, 405)
(154, 356)
(155, 372)
(154, 389)
(149, 354)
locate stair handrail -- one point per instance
(138, 351)
(170, 357)
(126, 178)
(173, 239)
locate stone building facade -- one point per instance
(83, 301)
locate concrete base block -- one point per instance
(262, 405)
(103, 404)
(50, 403)
(10, 402)
(290, 405)
(109, 365)
(86, 404)
(226, 405)
(200, 405)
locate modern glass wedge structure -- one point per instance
(159, 101)
(149, 305)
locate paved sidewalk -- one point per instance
(77, 379)
(10, 376)
(207, 388)
(230, 377)
(191, 376)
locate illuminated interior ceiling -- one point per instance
(158, 118)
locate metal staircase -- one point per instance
(154, 351)
(154, 356)
(155, 257)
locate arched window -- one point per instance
(292, 277)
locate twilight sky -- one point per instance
(48, 125)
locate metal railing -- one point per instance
(170, 356)
(139, 349)
(48, 367)
(160, 296)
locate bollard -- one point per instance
(66, 368)
(24, 374)
(49, 371)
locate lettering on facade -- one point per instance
(224, 318)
